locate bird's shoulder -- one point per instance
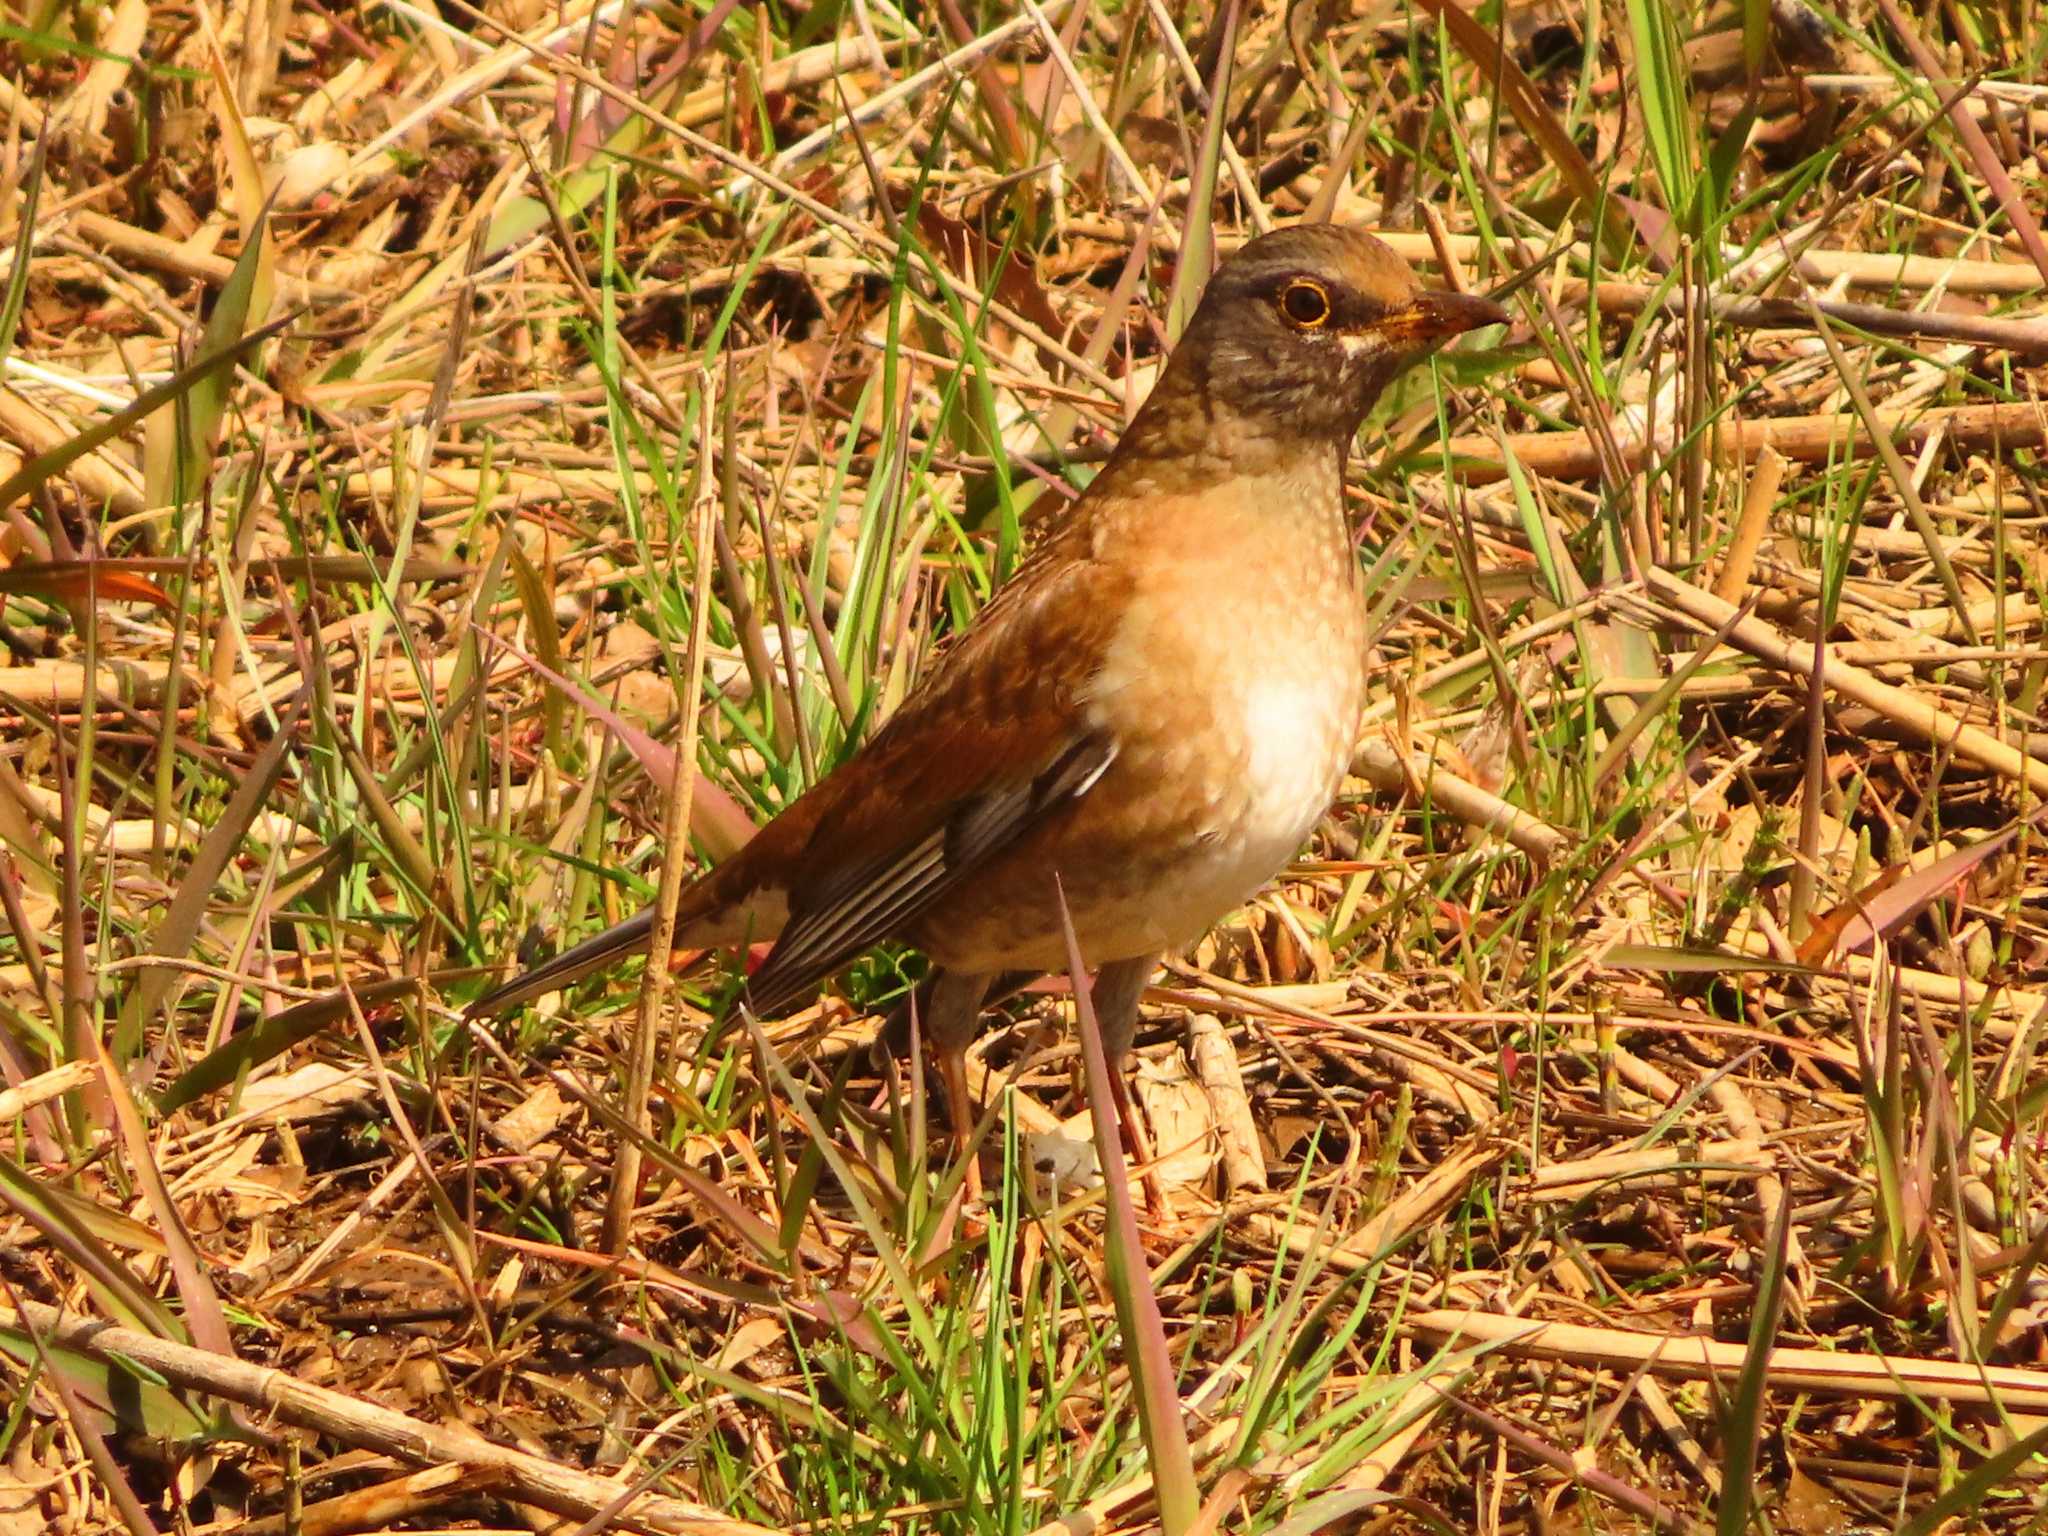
(1000, 700)
(1040, 627)
(994, 739)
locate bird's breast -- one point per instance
(1231, 688)
(1234, 691)
(1245, 716)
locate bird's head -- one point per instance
(1298, 333)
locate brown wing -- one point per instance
(993, 743)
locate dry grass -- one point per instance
(1673, 974)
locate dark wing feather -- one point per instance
(994, 741)
(882, 896)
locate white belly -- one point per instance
(1238, 786)
(1298, 736)
(1296, 742)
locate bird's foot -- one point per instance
(1138, 1147)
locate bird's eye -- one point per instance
(1306, 304)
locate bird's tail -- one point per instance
(571, 965)
(720, 909)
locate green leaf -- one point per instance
(1147, 1351)
(136, 1400)
(113, 1285)
(47, 466)
(1536, 525)
(1661, 90)
(272, 1038)
(1970, 1493)
(174, 936)
(1756, 36)
(523, 217)
(17, 277)
(1672, 960)
(1528, 108)
(1742, 1424)
(1198, 239)
(207, 404)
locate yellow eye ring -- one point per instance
(1305, 304)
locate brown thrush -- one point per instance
(1156, 708)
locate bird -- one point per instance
(1145, 723)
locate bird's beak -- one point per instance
(1432, 315)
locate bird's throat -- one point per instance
(1187, 438)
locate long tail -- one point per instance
(571, 965)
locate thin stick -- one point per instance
(2010, 424)
(1988, 162)
(1901, 707)
(2016, 1389)
(1901, 476)
(1863, 269)
(2027, 334)
(1757, 501)
(367, 1426)
(618, 1210)
(1247, 184)
(1384, 767)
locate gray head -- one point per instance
(1298, 333)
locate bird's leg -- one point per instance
(1118, 987)
(952, 1012)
